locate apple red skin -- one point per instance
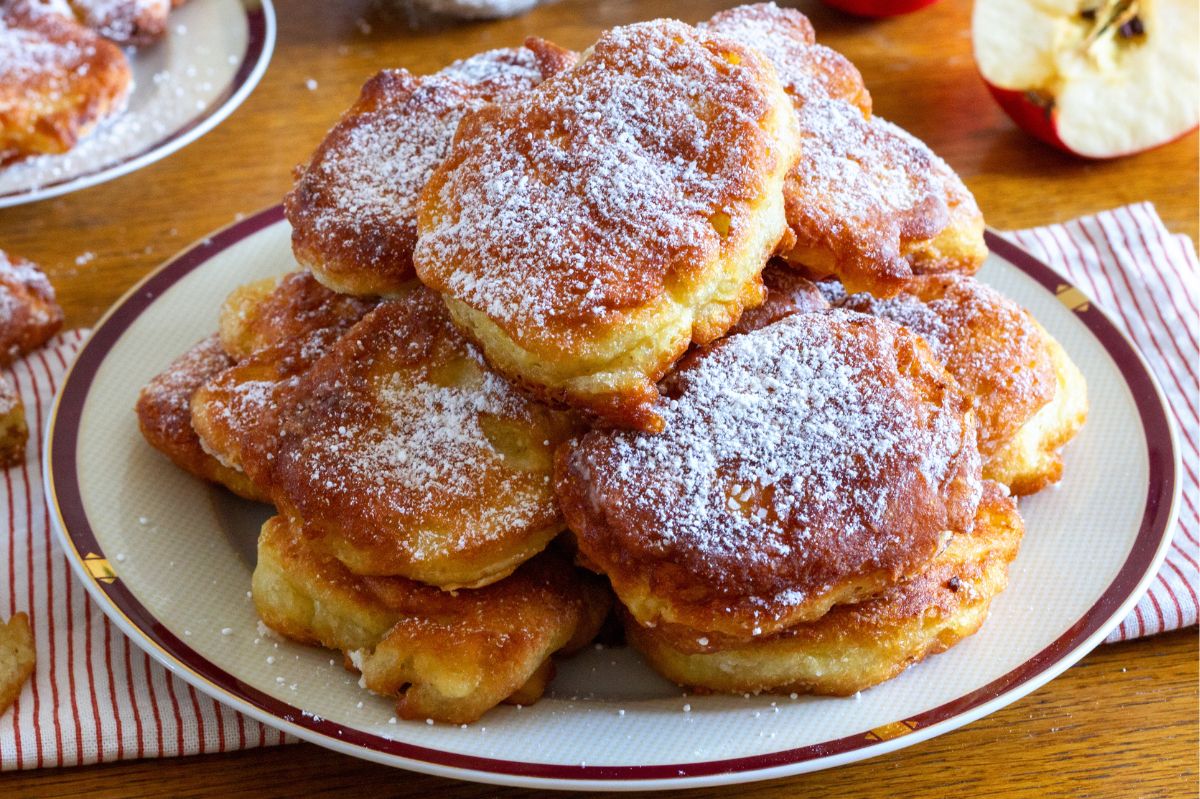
(1042, 123)
(1036, 120)
(878, 9)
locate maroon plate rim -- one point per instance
(66, 504)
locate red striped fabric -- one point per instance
(95, 697)
(1149, 282)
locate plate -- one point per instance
(212, 57)
(148, 540)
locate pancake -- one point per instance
(276, 310)
(959, 246)
(788, 292)
(136, 22)
(446, 656)
(57, 80)
(29, 312)
(165, 416)
(1032, 459)
(992, 346)
(14, 432)
(397, 448)
(854, 647)
(353, 209)
(867, 202)
(810, 463)
(1029, 397)
(17, 658)
(587, 232)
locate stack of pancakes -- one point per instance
(677, 320)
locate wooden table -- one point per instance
(1123, 723)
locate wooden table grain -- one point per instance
(1122, 723)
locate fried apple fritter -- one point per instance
(810, 463)
(396, 444)
(14, 432)
(991, 345)
(17, 658)
(586, 233)
(353, 209)
(57, 79)
(276, 310)
(29, 313)
(164, 414)
(447, 656)
(1032, 459)
(1029, 397)
(854, 647)
(294, 311)
(867, 202)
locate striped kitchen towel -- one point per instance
(95, 697)
(1149, 282)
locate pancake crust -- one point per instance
(854, 647)
(585, 234)
(788, 292)
(165, 416)
(29, 313)
(353, 209)
(14, 432)
(1032, 459)
(866, 202)
(396, 444)
(276, 310)
(57, 80)
(17, 658)
(992, 347)
(810, 463)
(447, 656)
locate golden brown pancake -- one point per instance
(854, 647)
(990, 344)
(294, 313)
(17, 658)
(57, 80)
(29, 313)
(446, 656)
(960, 246)
(586, 233)
(14, 432)
(1029, 398)
(165, 416)
(353, 209)
(1032, 459)
(867, 202)
(395, 444)
(810, 463)
(276, 310)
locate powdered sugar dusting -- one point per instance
(371, 169)
(861, 186)
(794, 448)
(575, 202)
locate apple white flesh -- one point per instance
(1109, 77)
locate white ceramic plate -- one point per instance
(169, 560)
(212, 57)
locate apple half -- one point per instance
(1097, 78)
